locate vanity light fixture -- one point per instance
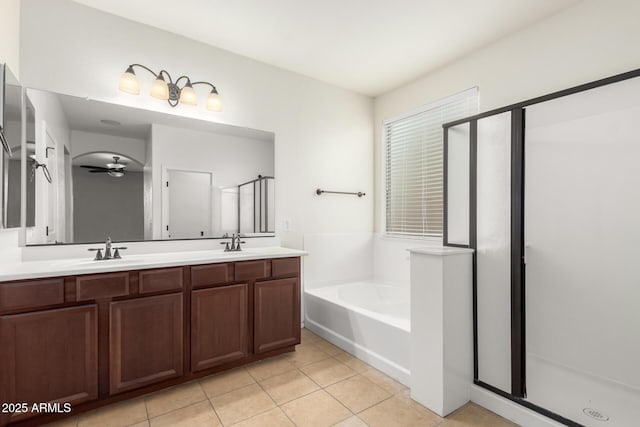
(171, 91)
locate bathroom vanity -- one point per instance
(95, 332)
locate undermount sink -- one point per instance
(266, 250)
(92, 262)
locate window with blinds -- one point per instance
(414, 165)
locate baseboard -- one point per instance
(390, 368)
(510, 410)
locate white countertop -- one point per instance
(76, 266)
(440, 250)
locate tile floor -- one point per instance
(318, 385)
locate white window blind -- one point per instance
(414, 164)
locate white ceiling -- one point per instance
(369, 46)
(102, 159)
(86, 115)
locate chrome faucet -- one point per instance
(107, 248)
(107, 251)
(235, 243)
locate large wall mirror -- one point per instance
(11, 113)
(96, 169)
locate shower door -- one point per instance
(582, 237)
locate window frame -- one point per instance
(472, 91)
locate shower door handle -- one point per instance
(524, 254)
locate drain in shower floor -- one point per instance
(595, 414)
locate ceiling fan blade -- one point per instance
(94, 167)
(98, 171)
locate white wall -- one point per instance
(9, 30)
(337, 258)
(232, 160)
(90, 142)
(591, 40)
(323, 133)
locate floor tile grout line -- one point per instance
(296, 398)
(278, 405)
(254, 415)
(248, 418)
(212, 376)
(303, 373)
(174, 410)
(214, 411)
(146, 410)
(368, 407)
(180, 407)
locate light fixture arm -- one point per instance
(213, 88)
(129, 83)
(166, 73)
(183, 77)
(146, 68)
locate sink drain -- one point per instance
(595, 414)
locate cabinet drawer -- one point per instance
(98, 286)
(211, 274)
(31, 294)
(281, 267)
(165, 279)
(250, 270)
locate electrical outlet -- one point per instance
(287, 225)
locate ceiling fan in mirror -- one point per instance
(115, 169)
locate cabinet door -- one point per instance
(219, 318)
(145, 341)
(49, 356)
(276, 314)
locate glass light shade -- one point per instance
(188, 96)
(116, 173)
(129, 82)
(214, 103)
(160, 89)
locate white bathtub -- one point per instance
(370, 320)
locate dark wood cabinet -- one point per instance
(94, 339)
(49, 356)
(252, 270)
(145, 341)
(219, 325)
(160, 280)
(285, 267)
(211, 274)
(97, 286)
(276, 321)
(31, 294)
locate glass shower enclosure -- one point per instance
(256, 206)
(553, 203)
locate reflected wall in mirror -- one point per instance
(135, 174)
(10, 164)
